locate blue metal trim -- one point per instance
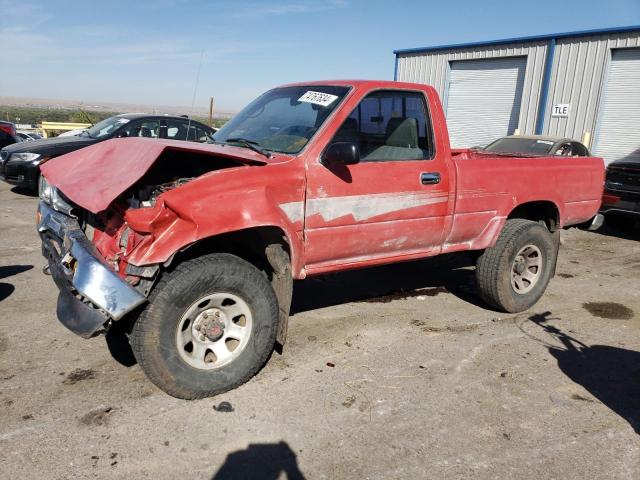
(395, 71)
(546, 82)
(603, 31)
(447, 82)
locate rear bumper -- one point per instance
(91, 293)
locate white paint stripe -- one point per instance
(293, 210)
(361, 207)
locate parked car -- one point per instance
(72, 133)
(621, 199)
(29, 136)
(20, 164)
(8, 134)
(538, 145)
(192, 249)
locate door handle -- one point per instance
(430, 178)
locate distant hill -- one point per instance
(36, 110)
(101, 107)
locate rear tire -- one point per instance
(514, 273)
(182, 339)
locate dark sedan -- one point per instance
(621, 199)
(538, 145)
(20, 162)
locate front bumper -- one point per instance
(22, 174)
(621, 202)
(91, 293)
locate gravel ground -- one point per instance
(393, 372)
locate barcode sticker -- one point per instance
(318, 98)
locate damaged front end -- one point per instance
(92, 255)
(91, 293)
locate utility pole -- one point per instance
(211, 112)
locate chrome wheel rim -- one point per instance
(526, 269)
(214, 331)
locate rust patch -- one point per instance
(404, 294)
(608, 310)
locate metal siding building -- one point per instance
(586, 70)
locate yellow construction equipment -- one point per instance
(62, 126)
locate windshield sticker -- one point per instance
(123, 120)
(318, 98)
(546, 142)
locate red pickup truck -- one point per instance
(194, 248)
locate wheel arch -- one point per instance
(266, 247)
(247, 243)
(538, 211)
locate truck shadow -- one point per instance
(24, 191)
(631, 233)
(443, 274)
(610, 374)
(262, 461)
(6, 289)
(439, 275)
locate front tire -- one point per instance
(514, 273)
(210, 325)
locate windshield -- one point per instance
(106, 127)
(284, 119)
(520, 145)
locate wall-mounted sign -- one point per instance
(560, 110)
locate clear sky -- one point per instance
(148, 52)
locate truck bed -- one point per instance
(490, 186)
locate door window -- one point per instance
(177, 129)
(389, 126)
(142, 128)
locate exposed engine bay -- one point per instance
(171, 170)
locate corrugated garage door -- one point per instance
(619, 132)
(484, 98)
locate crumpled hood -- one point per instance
(95, 176)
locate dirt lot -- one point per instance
(394, 372)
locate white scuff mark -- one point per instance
(293, 210)
(395, 242)
(363, 207)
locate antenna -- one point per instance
(195, 90)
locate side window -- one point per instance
(177, 129)
(142, 128)
(198, 134)
(564, 150)
(579, 150)
(389, 126)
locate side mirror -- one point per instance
(345, 153)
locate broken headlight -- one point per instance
(52, 196)
(45, 190)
